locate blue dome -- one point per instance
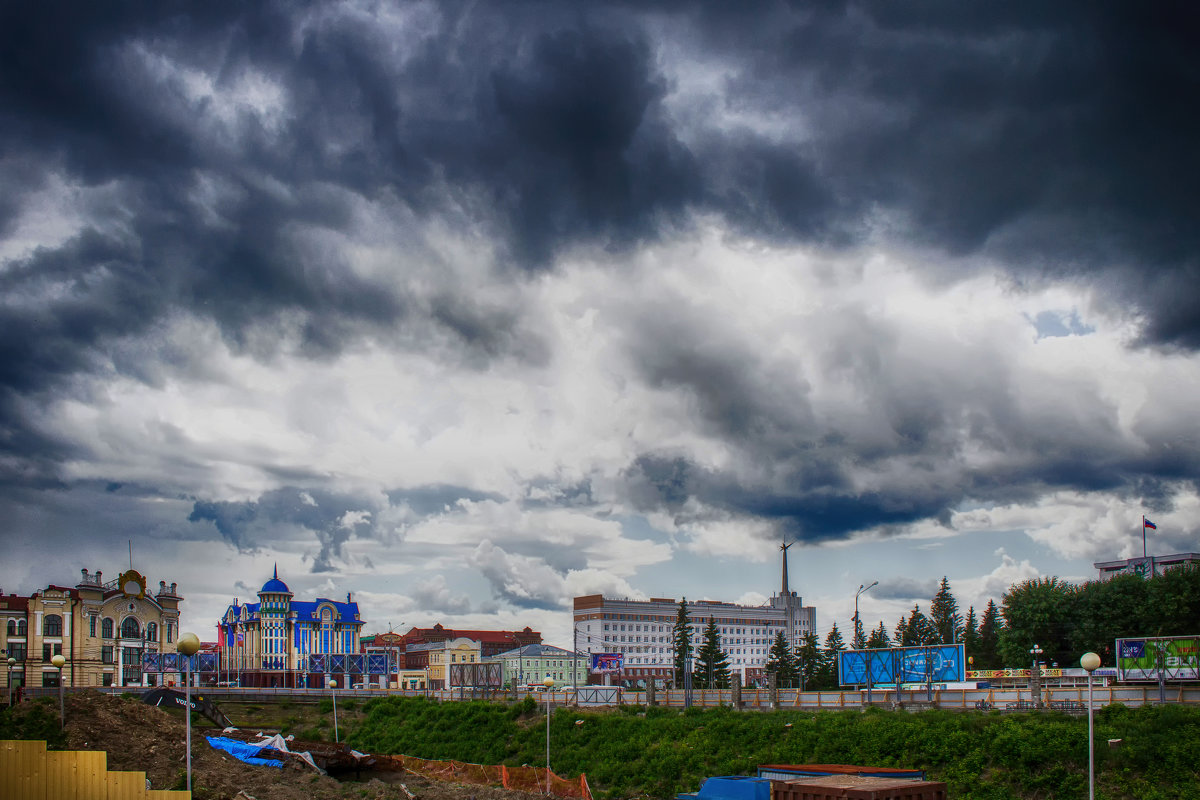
(275, 586)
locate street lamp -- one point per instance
(11, 663)
(548, 682)
(59, 661)
(1034, 685)
(858, 643)
(1090, 661)
(187, 646)
(333, 694)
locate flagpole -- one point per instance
(1143, 535)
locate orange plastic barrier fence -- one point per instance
(529, 779)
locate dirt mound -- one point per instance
(147, 739)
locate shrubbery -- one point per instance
(656, 752)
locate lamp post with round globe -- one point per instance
(1090, 662)
(11, 663)
(333, 694)
(187, 646)
(59, 661)
(548, 682)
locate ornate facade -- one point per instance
(105, 630)
(283, 642)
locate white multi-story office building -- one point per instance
(641, 630)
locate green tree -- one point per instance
(1039, 611)
(970, 635)
(879, 638)
(681, 640)
(901, 632)
(989, 638)
(782, 663)
(712, 665)
(827, 672)
(918, 630)
(808, 659)
(943, 614)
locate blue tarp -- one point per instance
(242, 751)
(733, 787)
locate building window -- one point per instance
(92, 626)
(20, 627)
(17, 650)
(170, 632)
(107, 679)
(50, 678)
(12, 627)
(52, 626)
(106, 654)
(131, 628)
(106, 628)
(151, 632)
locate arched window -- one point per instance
(12, 627)
(52, 625)
(151, 632)
(106, 628)
(20, 627)
(131, 628)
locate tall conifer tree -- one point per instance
(879, 638)
(681, 640)
(989, 637)
(943, 614)
(782, 662)
(712, 665)
(970, 637)
(808, 659)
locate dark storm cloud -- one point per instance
(319, 512)
(909, 449)
(1058, 139)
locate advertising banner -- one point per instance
(1173, 658)
(484, 674)
(938, 663)
(607, 662)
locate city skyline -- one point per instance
(473, 309)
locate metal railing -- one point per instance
(1057, 699)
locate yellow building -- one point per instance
(103, 629)
(443, 654)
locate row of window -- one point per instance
(19, 650)
(130, 629)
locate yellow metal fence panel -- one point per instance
(29, 772)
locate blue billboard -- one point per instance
(935, 663)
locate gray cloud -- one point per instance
(920, 591)
(233, 161)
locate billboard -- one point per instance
(935, 663)
(607, 662)
(485, 673)
(1171, 658)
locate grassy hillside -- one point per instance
(638, 752)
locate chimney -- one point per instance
(347, 597)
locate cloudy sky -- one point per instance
(470, 308)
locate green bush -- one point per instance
(658, 752)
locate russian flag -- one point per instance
(1148, 524)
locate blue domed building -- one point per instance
(282, 642)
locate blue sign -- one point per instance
(939, 663)
(377, 663)
(1132, 648)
